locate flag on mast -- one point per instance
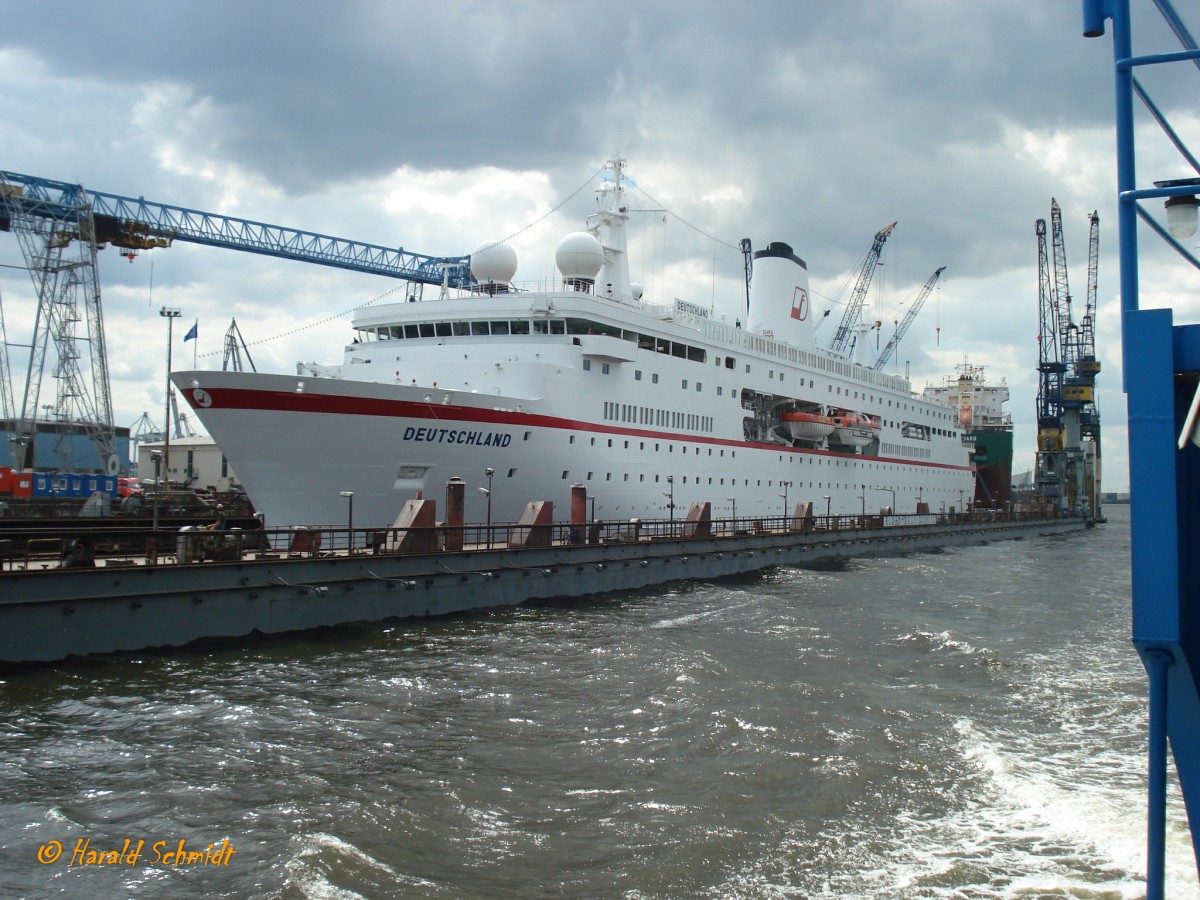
(193, 332)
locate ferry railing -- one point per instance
(1161, 365)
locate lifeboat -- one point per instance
(804, 426)
(854, 430)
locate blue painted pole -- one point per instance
(1157, 663)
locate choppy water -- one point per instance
(963, 724)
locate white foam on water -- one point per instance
(1030, 826)
(701, 616)
(307, 873)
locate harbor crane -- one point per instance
(235, 346)
(841, 337)
(57, 237)
(1068, 424)
(62, 226)
(892, 344)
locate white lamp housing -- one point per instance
(1182, 216)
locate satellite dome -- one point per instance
(494, 262)
(636, 290)
(579, 256)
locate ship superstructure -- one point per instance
(651, 406)
(987, 429)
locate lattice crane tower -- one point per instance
(56, 233)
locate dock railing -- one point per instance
(83, 547)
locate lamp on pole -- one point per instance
(670, 495)
(785, 485)
(170, 313)
(733, 500)
(960, 500)
(349, 495)
(863, 498)
(826, 499)
(155, 455)
(1182, 207)
(487, 492)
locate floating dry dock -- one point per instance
(49, 614)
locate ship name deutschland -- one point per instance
(457, 436)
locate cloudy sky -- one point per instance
(438, 126)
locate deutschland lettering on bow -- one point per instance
(457, 436)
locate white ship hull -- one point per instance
(297, 442)
(646, 405)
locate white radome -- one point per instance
(579, 255)
(494, 262)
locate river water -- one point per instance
(961, 724)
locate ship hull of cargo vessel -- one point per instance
(993, 462)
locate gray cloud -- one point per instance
(813, 123)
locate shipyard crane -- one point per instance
(139, 224)
(1087, 364)
(891, 345)
(1079, 416)
(841, 337)
(57, 237)
(1068, 436)
(1050, 371)
(1068, 331)
(747, 266)
(235, 346)
(7, 410)
(62, 226)
(183, 424)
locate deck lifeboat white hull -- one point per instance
(811, 427)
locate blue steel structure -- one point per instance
(1162, 377)
(139, 224)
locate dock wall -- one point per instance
(54, 614)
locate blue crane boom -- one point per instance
(908, 320)
(841, 337)
(140, 224)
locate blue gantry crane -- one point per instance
(135, 224)
(61, 226)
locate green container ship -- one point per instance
(987, 430)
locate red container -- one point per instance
(22, 484)
(6, 479)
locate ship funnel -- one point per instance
(779, 301)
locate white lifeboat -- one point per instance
(805, 426)
(852, 429)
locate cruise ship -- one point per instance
(523, 394)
